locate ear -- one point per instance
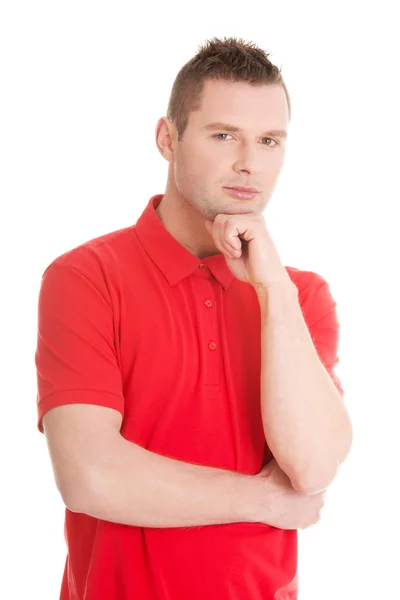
(166, 136)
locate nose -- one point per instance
(247, 161)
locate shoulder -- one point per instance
(97, 255)
(306, 280)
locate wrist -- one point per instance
(250, 499)
(281, 285)
(278, 295)
(279, 282)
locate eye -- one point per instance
(276, 143)
(217, 136)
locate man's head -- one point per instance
(232, 83)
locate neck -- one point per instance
(185, 224)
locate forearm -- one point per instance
(305, 422)
(138, 487)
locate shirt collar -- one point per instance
(173, 259)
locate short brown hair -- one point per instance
(229, 59)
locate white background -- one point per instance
(82, 87)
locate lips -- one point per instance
(243, 193)
(249, 190)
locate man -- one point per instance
(186, 379)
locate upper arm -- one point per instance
(319, 310)
(319, 307)
(80, 391)
(79, 437)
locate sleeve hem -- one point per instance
(80, 396)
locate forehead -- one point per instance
(230, 101)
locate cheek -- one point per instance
(186, 176)
(200, 166)
(212, 166)
(193, 168)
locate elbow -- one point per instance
(76, 496)
(310, 489)
(318, 479)
(315, 483)
(76, 505)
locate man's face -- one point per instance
(208, 160)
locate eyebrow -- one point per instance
(217, 125)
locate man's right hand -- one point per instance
(288, 508)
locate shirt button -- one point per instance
(212, 345)
(208, 303)
(203, 267)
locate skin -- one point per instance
(203, 162)
(203, 216)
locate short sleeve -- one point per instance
(319, 310)
(75, 357)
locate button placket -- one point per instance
(208, 328)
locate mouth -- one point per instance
(243, 193)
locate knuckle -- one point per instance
(221, 217)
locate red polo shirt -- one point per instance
(133, 321)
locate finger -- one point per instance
(216, 235)
(231, 236)
(223, 246)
